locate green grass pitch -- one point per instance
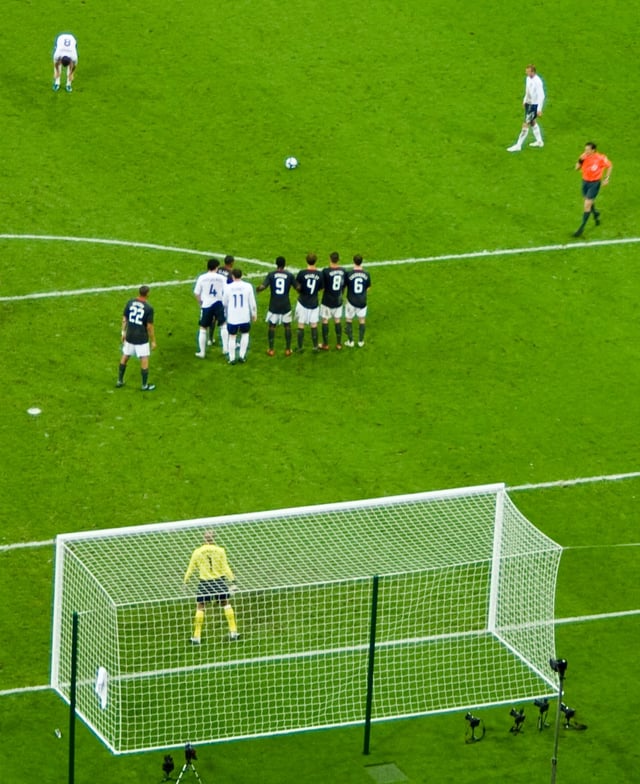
(522, 367)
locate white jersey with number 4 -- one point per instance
(66, 46)
(239, 302)
(209, 288)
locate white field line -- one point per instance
(558, 622)
(539, 486)
(269, 265)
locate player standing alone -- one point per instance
(533, 101)
(138, 337)
(65, 55)
(593, 164)
(210, 561)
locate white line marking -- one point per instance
(558, 622)
(124, 243)
(539, 486)
(578, 481)
(598, 617)
(25, 545)
(269, 265)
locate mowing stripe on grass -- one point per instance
(269, 265)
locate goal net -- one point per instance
(464, 613)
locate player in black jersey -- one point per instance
(309, 284)
(279, 281)
(357, 282)
(331, 306)
(138, 337)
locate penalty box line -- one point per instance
(269, 265)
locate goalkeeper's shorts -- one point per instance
(213, 590)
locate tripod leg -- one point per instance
(179, 779)
(196, 773)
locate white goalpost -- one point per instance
(464, 609)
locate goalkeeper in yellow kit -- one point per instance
(210, 561)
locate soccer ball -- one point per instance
(291, 162)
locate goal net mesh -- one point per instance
(463, 618)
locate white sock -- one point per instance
(244, 344)
(202, 340)
(523, 135)
(537, 133)
(231, 346)
(224, 335)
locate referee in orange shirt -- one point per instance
(596, 169)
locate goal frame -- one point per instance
(497, 490)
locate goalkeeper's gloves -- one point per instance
(233, 588)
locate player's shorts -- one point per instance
(307, 315)
(278, 318)
(530, 112)
(136, 349)
(329, 314)
(351, 312)
(590, 189)
(210, 590)
(233, 329)
(207, 317)
(218, 313)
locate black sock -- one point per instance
(121, 369)
(300, 337)
(145, 377)
(325, 334)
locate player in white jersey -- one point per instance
(241, 310)
(533, 102)
(208, 292)
(65, 55)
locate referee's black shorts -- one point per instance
(590, 189)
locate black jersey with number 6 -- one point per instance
(358, 281)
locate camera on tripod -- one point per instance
(473, 721)
(167, 767)
(189, 754)
(474, 724)
(559, 666)
(518, 718)
(542, 704)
